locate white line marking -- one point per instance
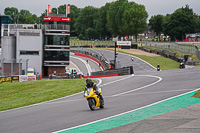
(93, 62)
(86, 64)
(97, 64)
(117, 80)
(100, 81)
(75, 65)
(125, 112)
(160, 79)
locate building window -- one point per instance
(29, 52)
(56, 55)
(56, 40)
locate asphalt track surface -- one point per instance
(83, 65)
(125, 60)
(121, 94)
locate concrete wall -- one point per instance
(8, 50)
(30, 40)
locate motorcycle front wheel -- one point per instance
(91, 104)
(101, 104)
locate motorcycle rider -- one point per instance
(89, 84)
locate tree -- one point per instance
(156, 23)
(134, 19)
(13, 12)
(85, 20)
(180, 22)
(165, 24)
(114, 17)
(100, 22)
(42, 16)
(90, 33)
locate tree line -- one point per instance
(177, 24)
(119, 18)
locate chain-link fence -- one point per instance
(184, 48)
(13, 67)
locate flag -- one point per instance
(49, 9)
(68, 10)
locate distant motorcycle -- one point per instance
(94, 100)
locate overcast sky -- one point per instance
(153, 7)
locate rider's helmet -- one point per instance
(88, 81)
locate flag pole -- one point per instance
(66, 10)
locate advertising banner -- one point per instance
(27, 78)
(9, 79)
(15, 79)
(5, 80)
(49, 9)
(124, 43)
(31, 77)
(59, 19)
(23, 78)
(68, 10)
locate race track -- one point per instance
(121, 94)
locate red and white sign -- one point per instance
(31, 78)
(59, 19)
(26, 78)
(68, 9)
(49, 9)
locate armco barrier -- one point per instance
(114, 72)
(90, 57)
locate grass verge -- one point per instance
(178, 54)
(165, 63)
(14, 95)
(197, 94)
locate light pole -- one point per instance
(26, 65)
(115, 55)
(19, 65)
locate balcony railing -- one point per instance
(22, 26)
(56, 27)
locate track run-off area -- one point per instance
(128, 99)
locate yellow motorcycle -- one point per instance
(94, 100)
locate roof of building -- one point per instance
(6, 16)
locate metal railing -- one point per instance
(184, 48)
(22, 26)
(56, 27)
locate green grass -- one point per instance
(197, 94)
(21, 94)
(165, 63)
